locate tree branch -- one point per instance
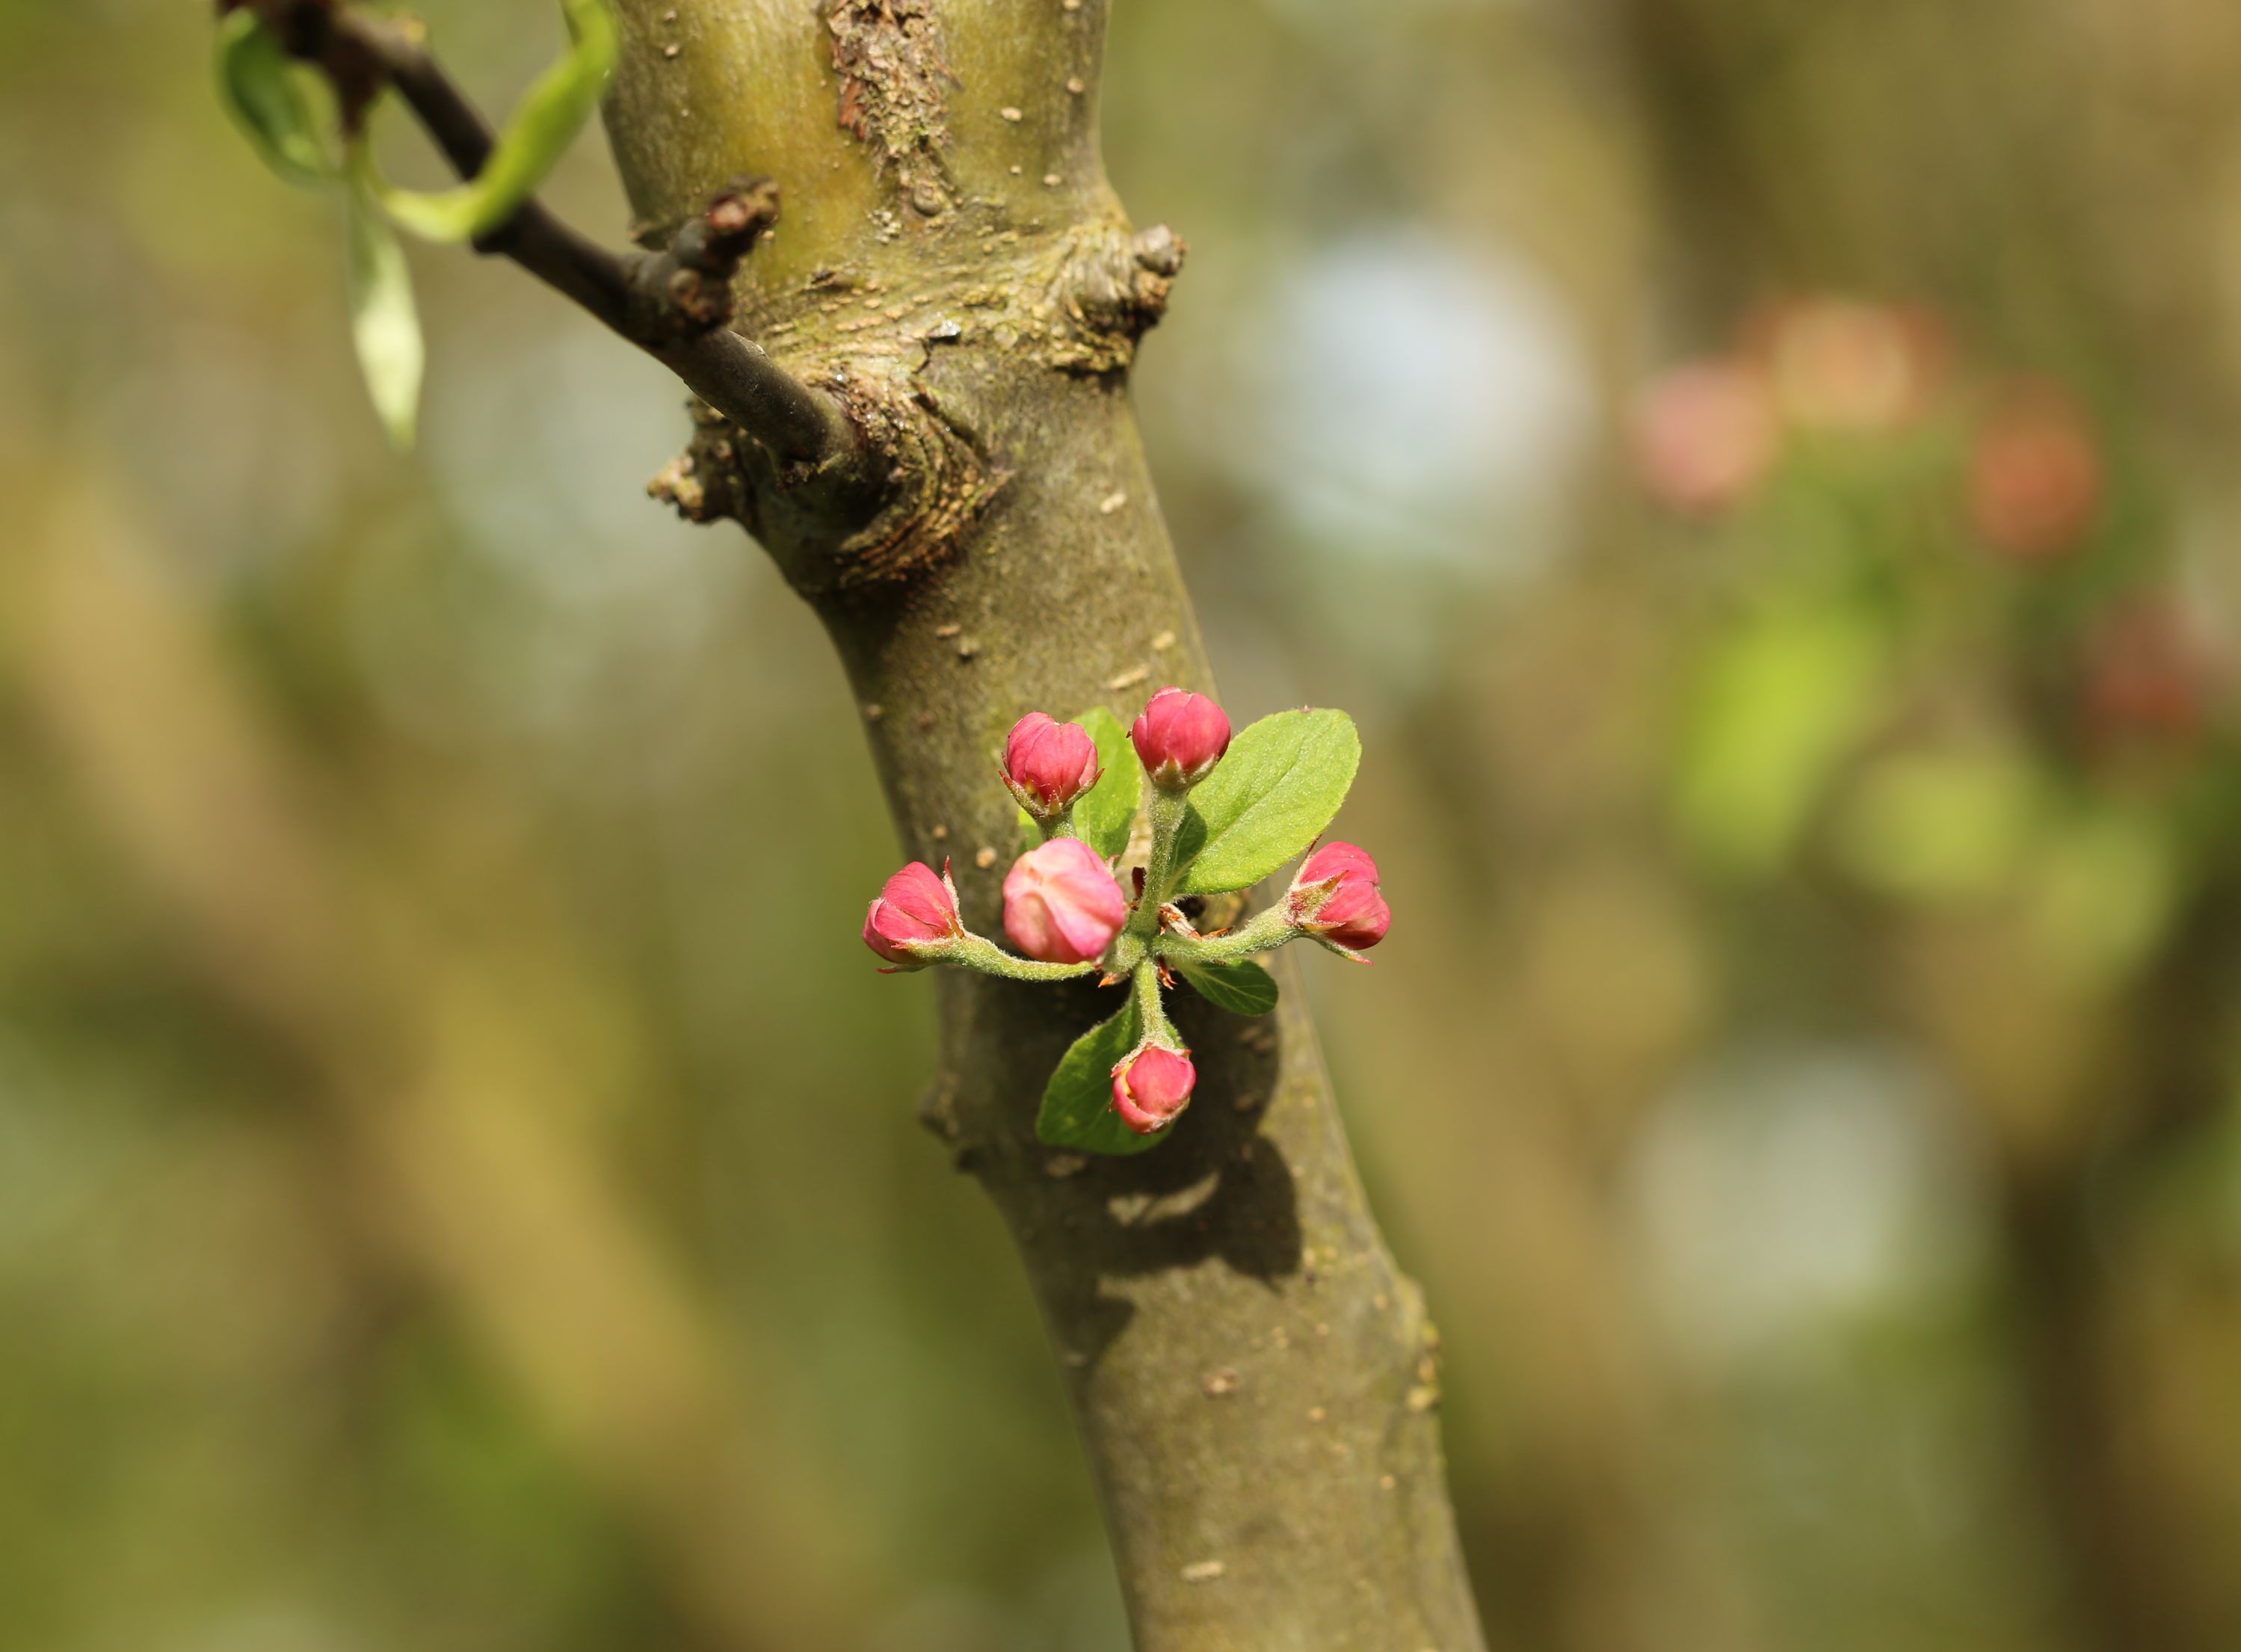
(1257, 1384)
(675, 306)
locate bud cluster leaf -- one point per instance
(1077, 1110)
(1279, 786)
(1105, 815)
(1242, 988)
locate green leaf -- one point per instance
(551, 115)
(385, 326)
(258, 84)
(1106, 814)
(1077, 1109)
(1242, 988)
(1778, 708)
(1267, 800)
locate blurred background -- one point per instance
(1764, 485)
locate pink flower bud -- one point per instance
(1180, 737)
(1151, 1086)
(1047, 763)
(1060, 905)
(1335, 897)
(914, 920)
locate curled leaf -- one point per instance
(551, 114)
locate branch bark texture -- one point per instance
(1256, 1383)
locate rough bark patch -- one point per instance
(950, 479)
(941, 478)
(888, 56)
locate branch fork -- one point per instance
(675, 304)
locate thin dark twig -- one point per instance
(676, 306)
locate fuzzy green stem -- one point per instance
(1134, 943)
(977, 951)
(1264, 934)
(1151, 1024)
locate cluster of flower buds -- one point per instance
(1066, 906)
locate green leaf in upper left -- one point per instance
(552, 113)
(258, 86)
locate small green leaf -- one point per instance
(1267, 800)
(258, 84)
(1077, 1109)
(385, 326)
(552, 113)
(1106, 814)
(1242, 988)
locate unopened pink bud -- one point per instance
(915, 920)
(1335, 897)
(1060, 904)
(1180, 737)
(1151, 1086)
(1047, 763)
